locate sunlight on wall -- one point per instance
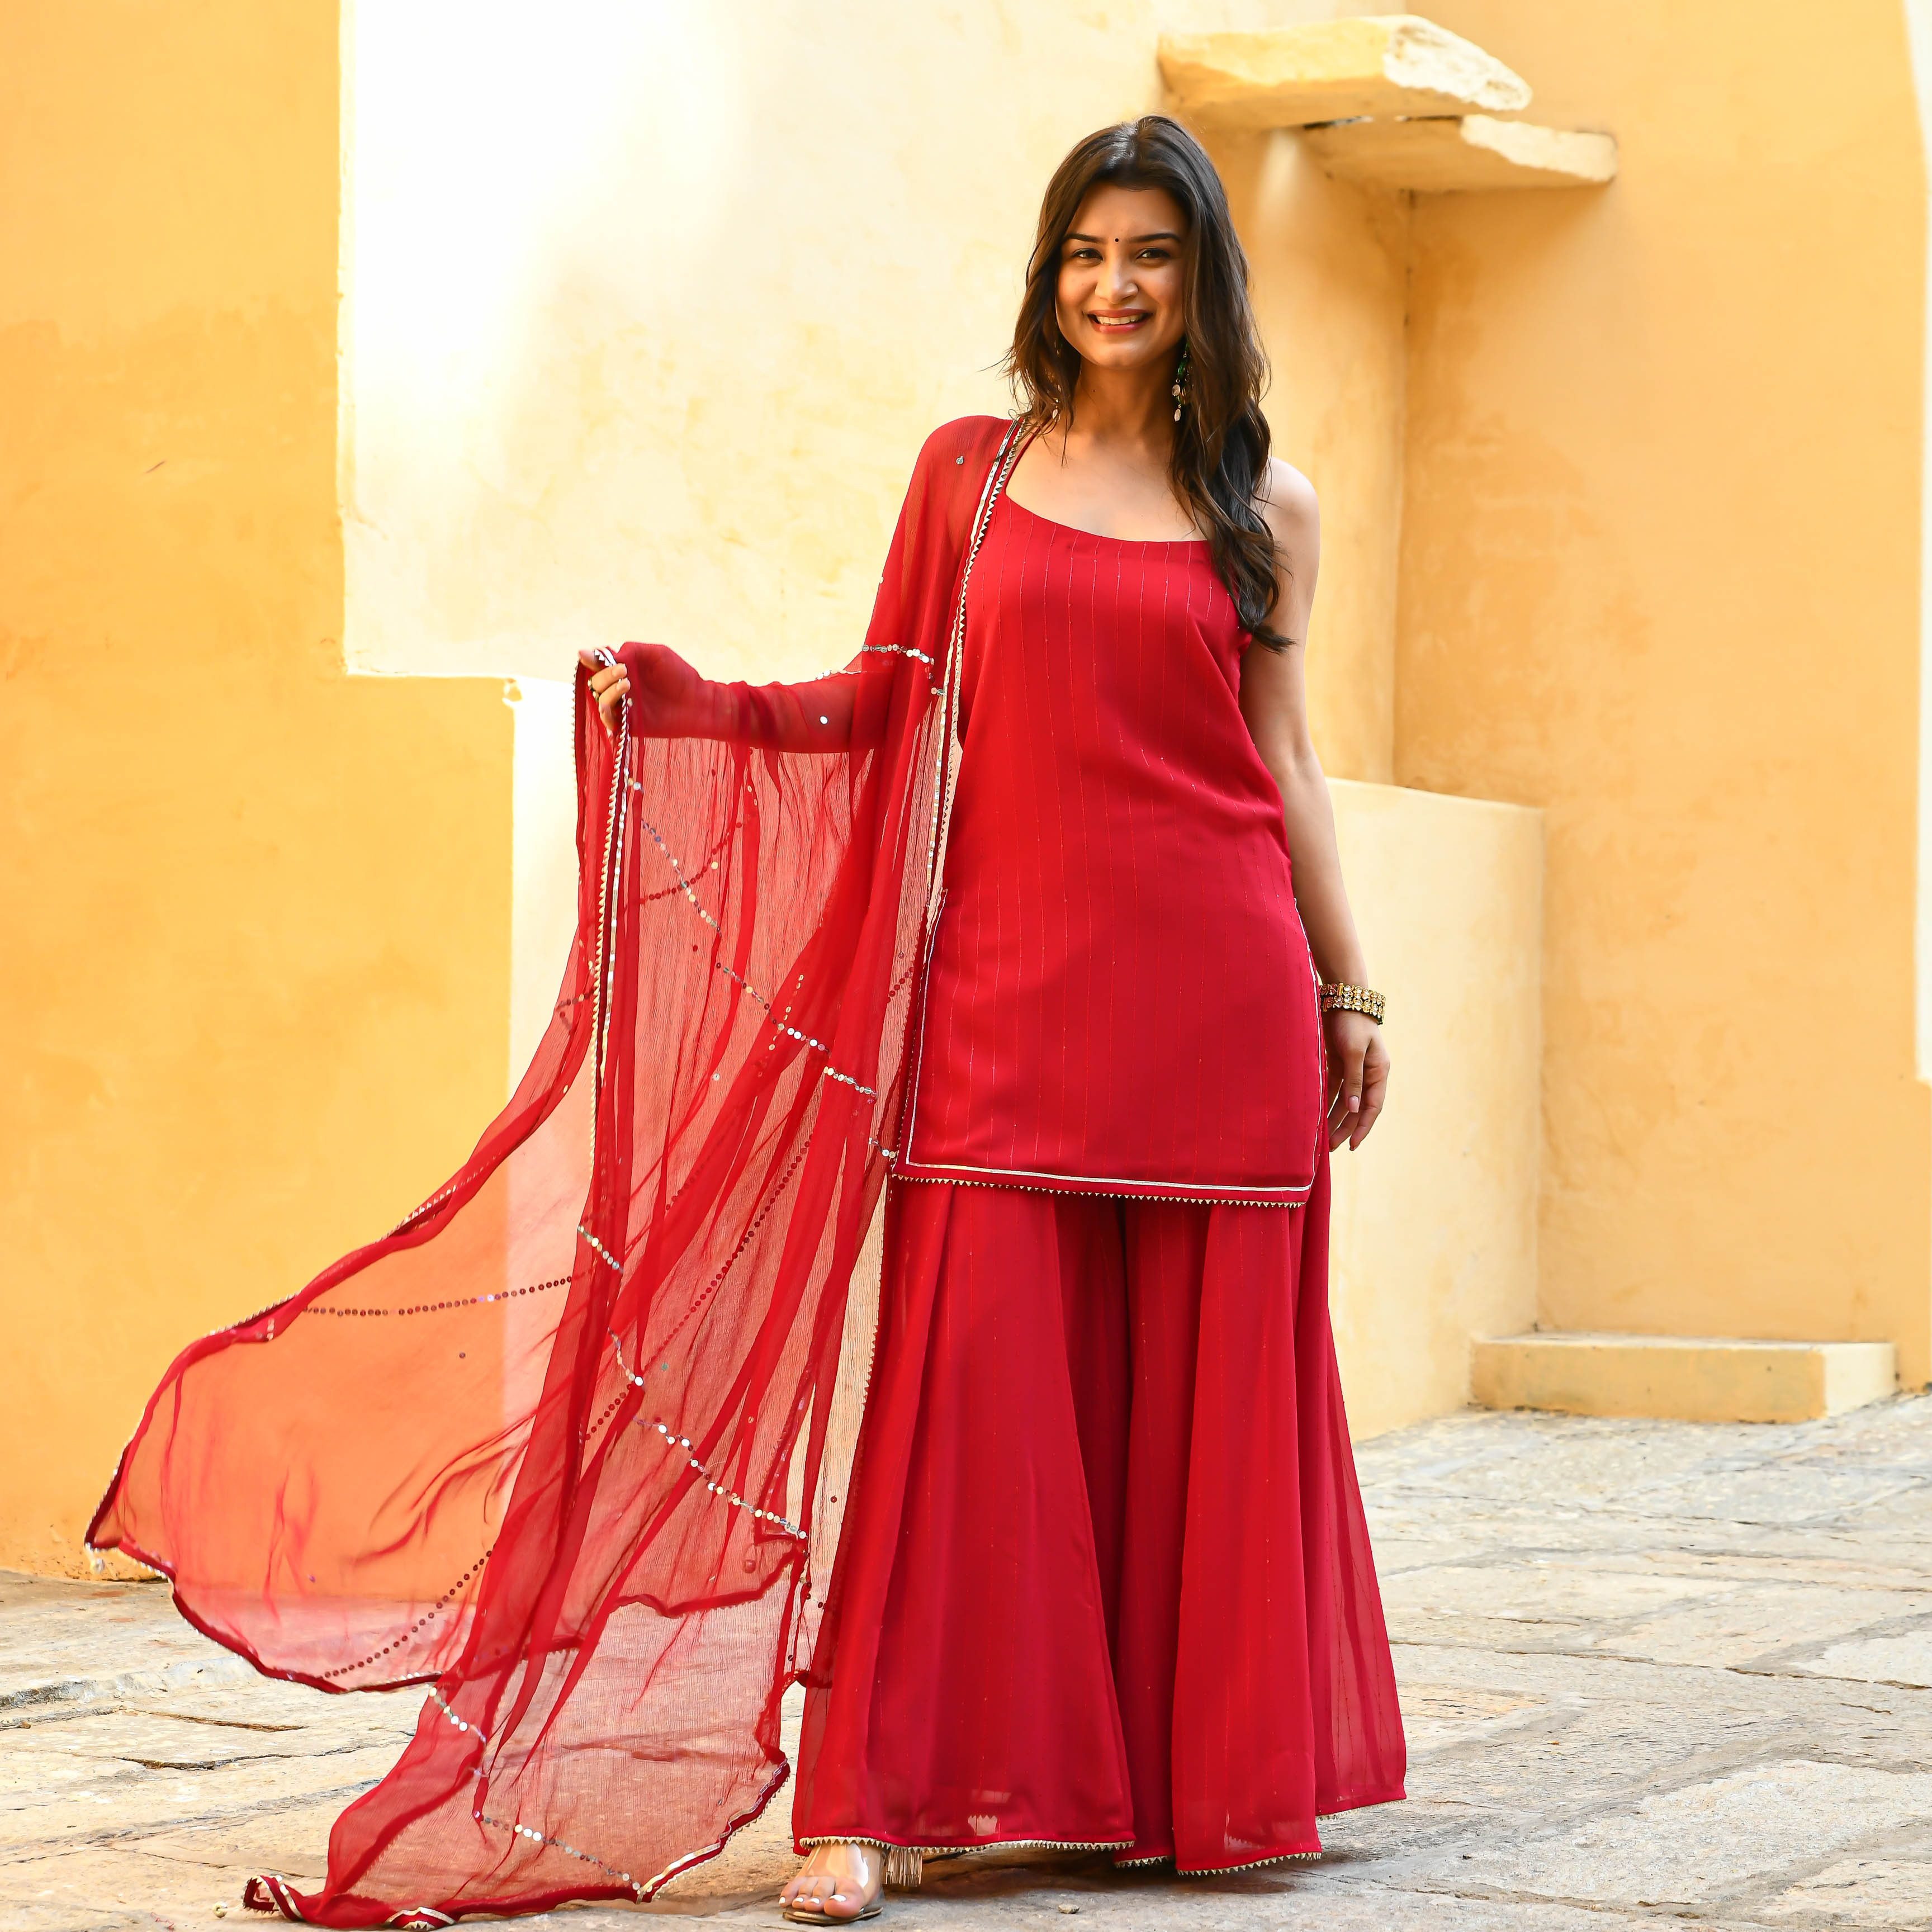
(543, 858)
(648, 312)
(621, 362)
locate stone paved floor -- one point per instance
(1652, 1672)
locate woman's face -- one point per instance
(1123, 270)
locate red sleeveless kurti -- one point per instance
(1104, 1580)
(1120, 999)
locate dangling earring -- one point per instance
(1179, 392)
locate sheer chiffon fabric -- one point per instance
(556, 1446)
(1105, 1580)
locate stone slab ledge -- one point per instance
(1333, 70)
(1689, 1378)
(1462, 154)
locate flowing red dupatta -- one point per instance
(557, 1446)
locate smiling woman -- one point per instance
(1026, 930)
(1103, 1406)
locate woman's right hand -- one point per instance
(666, 697)
(610, 685)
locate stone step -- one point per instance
(1689, 1378)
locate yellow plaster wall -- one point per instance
(1659, 576)
(1434, 1226)
(1330, 267)
(258, 981)
(636, 345)
(253, 987)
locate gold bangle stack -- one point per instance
(1338, 998)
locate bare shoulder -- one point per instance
(1287, 503)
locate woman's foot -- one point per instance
(840, 1881)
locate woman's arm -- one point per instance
(846, 710)
(1274, 700)
(670, 699)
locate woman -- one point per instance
(1005, 912)
(1141, 539)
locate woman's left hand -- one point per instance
(1358, 1064)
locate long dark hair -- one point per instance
(1221, 442)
